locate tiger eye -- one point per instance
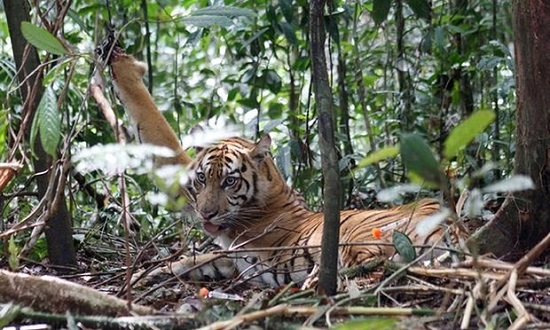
(201, 177)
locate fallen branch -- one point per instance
(287, 310)
(14, 312)
(54, 295)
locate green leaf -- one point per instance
(380, 10)
(272, 81)
(421, 8)
(227, 11)
(34, 131)
(8, 313)
(466, 131)
(49, 122)
(419, 159)
(205, 21)
(3, 132)
(289, 31)
(13, 250)
(378, 155)
(403, 245)
(288, 10)
(379, 323)
(42, 39)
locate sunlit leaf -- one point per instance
(378, 323)
(429, 223)
(418, 158)
(378, 155)
(284, 161)
(421, 8)
(49, 122)
(404, 246)
(394, 193)
(227, 11)
(3, 132)
(474, 204)
(485, 169)
(8, 313)
(380, 10)
(113, 158)
(466, 131)
(42, 39)
(514, 183)
(13, 250)
(205, 21)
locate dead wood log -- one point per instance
(55, 295)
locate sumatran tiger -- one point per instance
(242, 201)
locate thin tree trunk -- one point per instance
(407, 117)
(329, 158)
(59, 239)
(525, 217)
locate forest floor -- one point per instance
(470, 294)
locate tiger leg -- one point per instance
(205, 267)
(152, 127)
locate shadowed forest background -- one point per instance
(394, 67)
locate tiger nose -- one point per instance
(208, 215)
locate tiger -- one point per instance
(242, 200)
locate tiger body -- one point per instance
(242, 200)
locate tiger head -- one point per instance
(230, 181)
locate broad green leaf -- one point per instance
(421, 8)
(49, 122)
(42, 39)
(403, 245)
(378, 155)
(380, 10)
(440, 37)
(205, 21)
(288, 10)
(227, 11)
(272, 81)
(515, 183)
(289, 31)
(466, 131)
(378, 323)
(419, 159)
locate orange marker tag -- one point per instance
(376, 232)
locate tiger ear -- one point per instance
(261, 150)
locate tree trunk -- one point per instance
(329, 158)
(59, 239)
(525, 217)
